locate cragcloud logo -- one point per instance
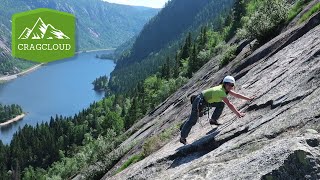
(43, 35)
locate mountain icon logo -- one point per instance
(40, 30)
(43, 35)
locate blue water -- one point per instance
(62, 87)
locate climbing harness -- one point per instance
(205, 110)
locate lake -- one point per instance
(62, 87)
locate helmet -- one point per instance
(229, 79)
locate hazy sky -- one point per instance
(147, 3)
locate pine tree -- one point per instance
(141, 96)
(163, 71)
(133, 113)
(185, 52)
(176, 67)
(203, 37)
(238, 11)
(166, 70)
(193, 64)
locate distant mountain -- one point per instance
(99, 24)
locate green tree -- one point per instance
(193, 63)
(166, 70)
(101, 83)
(8, 112)
(133, 113)
(176, 66)
(264, 20)
(186, 49)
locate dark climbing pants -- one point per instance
(187, 125)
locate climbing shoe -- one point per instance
(214, 122)
(183, 140)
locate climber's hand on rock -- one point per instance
(240, 114)
(252, 98)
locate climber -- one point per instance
(214, 97)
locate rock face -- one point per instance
(277, 139)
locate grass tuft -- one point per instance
(296, 9)
(308, 14)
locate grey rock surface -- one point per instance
(277, 139)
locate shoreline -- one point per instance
(33, 68)
(85, 51)
(14, 76)
(15, 119)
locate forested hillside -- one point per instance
(163, 28)
(100, 24)
(162, 36)
(65, 145)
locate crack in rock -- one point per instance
(276, 103)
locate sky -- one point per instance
(147, 3)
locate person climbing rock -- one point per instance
(213, 97)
